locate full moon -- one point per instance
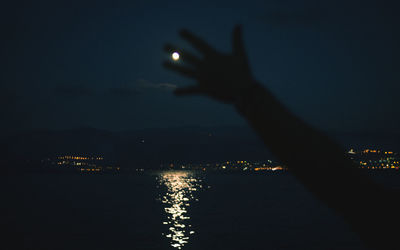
(175, 56)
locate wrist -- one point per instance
(247, 95)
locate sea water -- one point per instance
(169, 210)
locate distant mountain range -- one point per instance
(150, 147)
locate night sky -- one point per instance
(69, 64)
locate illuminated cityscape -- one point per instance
(81, 163)
(375, 159)
(249, 166)
(365, 159)
(371, 159)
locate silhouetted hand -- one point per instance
(316, 160)
(220, 76)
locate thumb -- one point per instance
(192, 90)
(237, 41)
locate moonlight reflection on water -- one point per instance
(180, 189)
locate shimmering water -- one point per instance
(168, 210)
(179, 192)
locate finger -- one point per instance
(192, 90)
(197, 42)
(186, 56)
(180, 69)
(238, 46)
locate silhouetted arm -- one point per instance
(318, 162)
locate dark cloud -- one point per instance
(122, 92)
(74, 91)
(145, 84)
(140, 86)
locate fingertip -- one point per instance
(184, 32)
(168, 47)
(237, 30)
(179, 92)
(193, 90)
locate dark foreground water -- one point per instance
(169, 210)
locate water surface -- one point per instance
(169, 210)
